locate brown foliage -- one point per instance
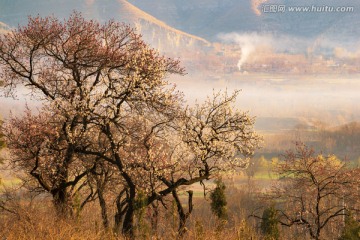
(313, 191)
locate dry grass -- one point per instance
(35, 219)
(49, 230)
(39, 223)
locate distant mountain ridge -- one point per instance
(208, 18)
(4, 28)
(156, 32)
(131, 14)
(187, 23)
(189, 30)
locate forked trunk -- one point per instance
(182, 215)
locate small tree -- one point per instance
(351, 230)
(313, 191)
(269, 224)
(218, 200)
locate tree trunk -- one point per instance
(103, 209)
(182, 215)
(121, 210)
(60, 193)
(128, 224)
(61, 203)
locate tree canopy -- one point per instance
(314, 191)
(108, 108)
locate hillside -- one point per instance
(157, 33)
(3, 28)
(287, 42)
(208, 18)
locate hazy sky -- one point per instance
(333, 98)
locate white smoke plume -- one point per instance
(248, 43)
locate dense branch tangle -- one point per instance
(106, 96)
(315, 190)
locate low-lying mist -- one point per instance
(331, 99)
